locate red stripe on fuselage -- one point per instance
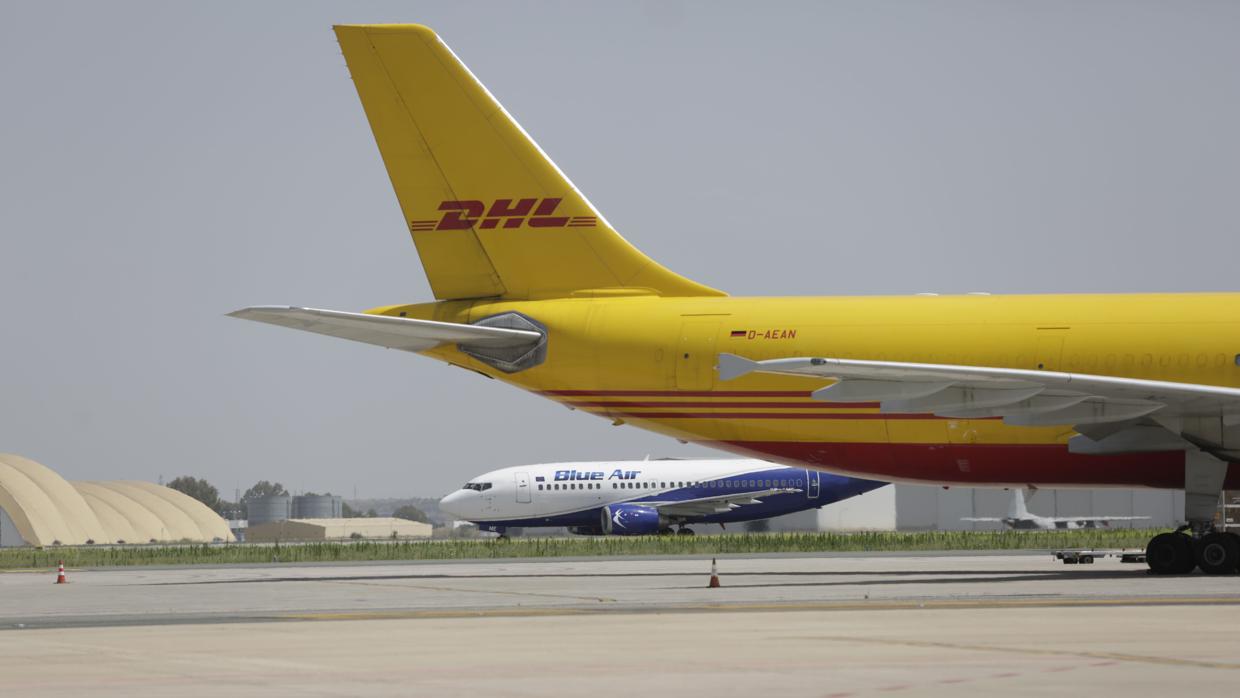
(679, 393)
(1043, 465)
(781, 415)
(723, 403)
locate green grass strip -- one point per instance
(354, 551)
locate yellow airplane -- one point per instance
(535, 288)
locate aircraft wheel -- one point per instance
(1170, 553)
(1217, 553)
(685, 531)
(666, 531)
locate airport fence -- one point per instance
(724, 544)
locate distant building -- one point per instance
(39, 507)
(336, 529)
(317, 506)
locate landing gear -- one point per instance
(1198, 544)
(682, 531)
(666, 531)
(1217, 553)
(1170, 553)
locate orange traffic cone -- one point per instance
(60, 572)
(714, 575)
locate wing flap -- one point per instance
(405, 334)
(1021, 397)
(715, 505)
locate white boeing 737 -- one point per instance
(644, 497)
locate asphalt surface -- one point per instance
(826, 625)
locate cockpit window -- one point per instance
(479, 486)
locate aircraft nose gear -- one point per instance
(1198, 544)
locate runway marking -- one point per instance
(929, 605)
(455, 590)
(1105, 658)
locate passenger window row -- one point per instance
(712, 484)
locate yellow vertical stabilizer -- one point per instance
(490, 214)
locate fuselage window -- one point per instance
(540, 487)
(614, 485)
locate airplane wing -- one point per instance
(715, 505)
(406, 334)
(1097, 518)
(1109, 411)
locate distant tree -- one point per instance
(371, 513)
(201, 490)
(411, 513)
(262, 488)
(349, 512)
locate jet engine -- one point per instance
(631, 520)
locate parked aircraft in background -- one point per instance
(1019, 517)
(535, 288)
(633, 498)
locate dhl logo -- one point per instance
(537, 213)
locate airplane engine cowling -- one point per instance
(630, 520)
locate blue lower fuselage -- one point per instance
(817, 489)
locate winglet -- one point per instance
(733, 366)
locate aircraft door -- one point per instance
(523, 488)
(695, 354)
(814, 486)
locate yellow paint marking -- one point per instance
(767, 607)
(457, 590)
(1076, 654)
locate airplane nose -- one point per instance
(456, 503)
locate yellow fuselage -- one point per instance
(649, 362)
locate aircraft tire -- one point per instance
(1217, 553)
(685, 532)
(1170, 553)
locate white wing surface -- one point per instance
(1118, 414)
(715, 505)
(406, 334)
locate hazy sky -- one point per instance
(162, 164)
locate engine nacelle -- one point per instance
(630, 520)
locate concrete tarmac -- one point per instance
(823, 625)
